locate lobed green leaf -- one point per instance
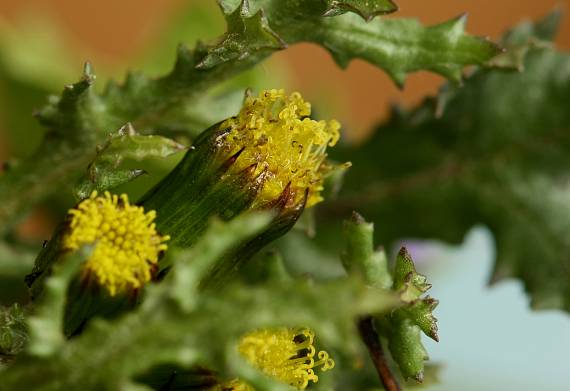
(492, 152)
(179, 325)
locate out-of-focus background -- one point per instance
(480, 348)
(112, 34)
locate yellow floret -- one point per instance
(286, 354)
(126, 245)
(277, 135)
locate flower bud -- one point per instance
(271, 156)
(125, 250)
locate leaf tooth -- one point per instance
(88, 72)
(367, 11)
(244, 9)
(453, 28)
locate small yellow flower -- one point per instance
(126, 245)
(285, 354)
(276, 134)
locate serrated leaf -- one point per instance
(443, 49)
(72, 112)
(403, 325)
(246, 35)
(406, 322)
(367, 9)
(420, 312)
(81, 117)
(105, 173)
(176, 324)
(399, 46)
(407, 281)
(497, 155)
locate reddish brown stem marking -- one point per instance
(371, 339)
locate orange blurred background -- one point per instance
(107, 31)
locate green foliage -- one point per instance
(444, 49)
(177, 324)
(402, 327)
(13, 333)
(46, 326)
(360, 256)
(406, 323)
(80, 118)
(15, 262)
(494, 151)
(104, 171)
(365, 8)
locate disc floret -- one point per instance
(278, 137)
(286, 354)
(125, 243)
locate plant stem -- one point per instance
(372, 341)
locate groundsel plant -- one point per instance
(239, 263)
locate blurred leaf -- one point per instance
(527, 35)
(187, 121)
(296, 247)
(495, 151)
(81, 117)
(13, 333)
(177, 324)
(46, 324)
(26, 77)
(15, 263)
(25, 46)
(189, 22)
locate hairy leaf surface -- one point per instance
(495, 152)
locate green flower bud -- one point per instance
(271, 156)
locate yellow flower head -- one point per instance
(285, 354)
(276, 134)
(126, 245)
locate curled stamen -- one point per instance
(277, 131)
(286, 354)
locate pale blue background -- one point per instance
(489, 339)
